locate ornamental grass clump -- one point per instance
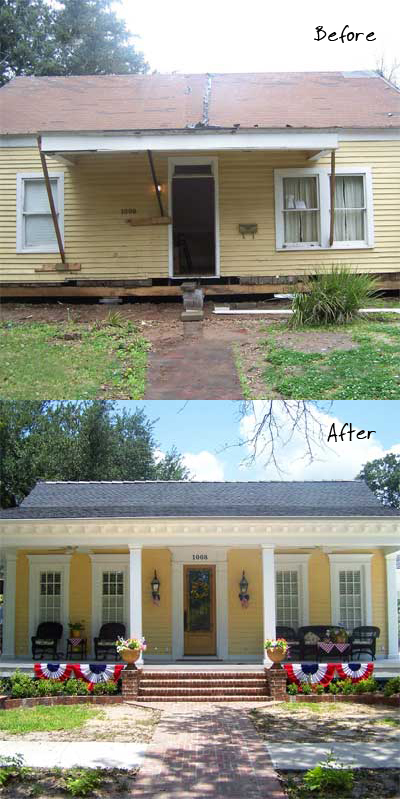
(332, 298)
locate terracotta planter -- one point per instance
(276, 655)
(130, 655)
(76, 633)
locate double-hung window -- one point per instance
(113, 596)
(35, 227)
(303, 208)
(287, 598)
(50, 596)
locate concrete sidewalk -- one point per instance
(65, 754)
(300, 757)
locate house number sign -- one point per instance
(199, 556)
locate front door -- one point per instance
(199, 610)
(193, 209)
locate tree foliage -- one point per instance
(383, 478)
(75, 37)
(77, 441)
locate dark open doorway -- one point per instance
(193, 221)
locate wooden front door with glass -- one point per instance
(199, 610)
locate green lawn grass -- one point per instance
(46, 718)
(317, 707)
(370, 371)
(101, 362)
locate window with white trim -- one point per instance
(350, 598)
(302, 208)
(50, 596)
(287, 598)
(113, 587)
(35, 228)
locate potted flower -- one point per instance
(276, 649)
(130, 649)
(76, 629)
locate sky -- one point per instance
(260, 36)
(207, 433)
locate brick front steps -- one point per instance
(207, 686)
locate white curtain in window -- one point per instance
(38, 224)
(301, 223)
(349, 208)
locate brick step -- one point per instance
(242, 697)
(222, 690)
(201, 675)
(203, 683)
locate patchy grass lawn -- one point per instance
(59, 783)
(72, 361)
(367, 367)
(47, 718)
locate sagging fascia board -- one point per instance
(319, 155)
(97, 142)
(61, 159)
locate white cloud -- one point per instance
(341, 460)
(203, 465)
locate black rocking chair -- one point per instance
(363, 639)
(46, 639)
(105, 641)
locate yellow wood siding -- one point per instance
(319, 580)
(97, 236)
(245, 625)
(80, 593)
(22, 642)
(157, 619)
(379, 599)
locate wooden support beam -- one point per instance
(58, 268)
(333, 184)
(149, 220)
(155, 181)
(51, 200)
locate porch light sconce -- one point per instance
(155, 589)
(244, 596)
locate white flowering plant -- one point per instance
(130, 643)
(276, 643)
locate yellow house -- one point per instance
(205, 571)
(245, 181)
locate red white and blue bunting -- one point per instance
(354, 671)
(52, 671)
(94, 673)
(314, 673)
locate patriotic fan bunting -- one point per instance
(94, 673)
(354, 671)
(314, 673)
(52, 671)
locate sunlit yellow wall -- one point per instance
(379, 598)
(245, 625)
(22, 643)
(157, 619)
(319, 579)
(98, 237)
(80, 596)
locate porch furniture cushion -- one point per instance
(310, 635)
(104, 643)
(46, 639)
(363, 639)
(289, 634)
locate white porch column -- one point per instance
(135, 595)
(391, 592)
(269, 610)
(10, 590)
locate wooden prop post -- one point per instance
(51, 200)
(155, 181)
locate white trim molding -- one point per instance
(298, 562)
(10, 594)
(211, 556)
(135, 595)
(37, 563)
(337, 563)
(59, 202)
(107, 562)
(392, 611)
(322, 173)
(269, 600)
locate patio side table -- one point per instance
(332, 649)
(77, 646)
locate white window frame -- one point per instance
(21, 178)
(43, 563)
(100, 564)
(362, 563)
(323, 175)
(297, 563)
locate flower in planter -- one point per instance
(77, 626)
(130, 643)
(276, 643)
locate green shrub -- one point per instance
(333, 687)
(392, 686)
(73, 687)
(306, 688)
(329, 775)
(293, 689)
(104, 688)
(11, 766)
(345, 687)
(368, 686)
(81, 782)
(332, 298)
(22, 685)
(49, 688)
(319, 690)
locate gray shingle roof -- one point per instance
(185, 498)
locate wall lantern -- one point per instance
(244, 596)
(155, 589)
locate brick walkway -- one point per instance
(206, 751)
(193, 370)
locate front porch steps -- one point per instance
(207, 686)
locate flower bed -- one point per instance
(363, 699)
